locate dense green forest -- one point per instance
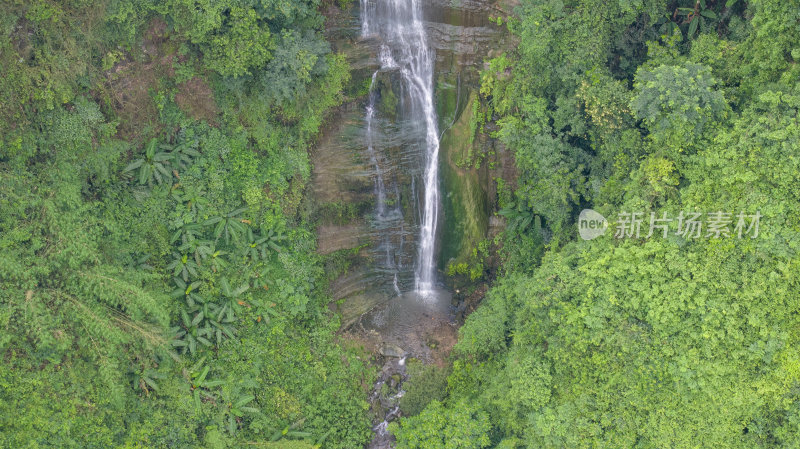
(159, 279)
(675, 342)
(160, 286)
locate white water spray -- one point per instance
(399, 25)
(380, 190)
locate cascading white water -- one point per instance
(380, 189)
(382, 216)
(399, 25)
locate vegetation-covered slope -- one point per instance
(158, 280)
(650, 342)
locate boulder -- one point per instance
(390, 350)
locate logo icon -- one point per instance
(591, 224)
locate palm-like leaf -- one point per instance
(186, 232)
(183, 266)
(152, 166)
(259, 246)
(192, 198)
(192, 332)
(200, 383)
(197, 248)
(232, 296)
(213, 257)
(146, 379)
(184, 153)
(140, 263)
(234, 407)
(229, 226)
(188, 292)
(519, 218)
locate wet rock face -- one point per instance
(461, 30)
(461, 35)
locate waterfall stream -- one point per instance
(410, 317)
(404, 48)
(377, 174)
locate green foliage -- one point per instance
(237, 38)
(474, 267)
(297, 58)
(153, 166)
(555, 183)
(426, 383)
(229, 226)
(677, 104)
(98, 231)
(158, 287)
(486, 333)
(770, 50)
(438, 427)
(244, 44)
(650, 342)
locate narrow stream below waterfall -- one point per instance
(416, 325)
(404, 322)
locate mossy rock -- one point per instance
(464, 197)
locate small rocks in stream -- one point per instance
(386, 394)
(390, 350)
(394, 380)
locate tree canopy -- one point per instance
(670, 340)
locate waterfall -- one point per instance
(380, 189)
(383, 218)
(398, 24)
